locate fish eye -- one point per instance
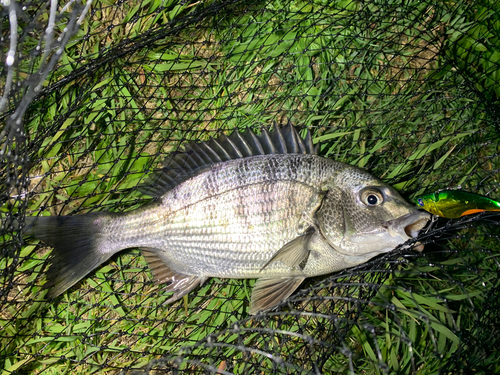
(372, 197)
(420, 202)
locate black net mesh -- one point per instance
(96, 94)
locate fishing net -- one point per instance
(95, 94)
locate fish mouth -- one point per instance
(392, 233)
(411, 224)
(414, 229)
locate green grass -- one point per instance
(376, 93)
(473, 46)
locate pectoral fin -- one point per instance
(294, 253)
(180, 284)
(269, 292)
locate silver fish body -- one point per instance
(229, 221)
(278, 217)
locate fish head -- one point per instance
(361, 216)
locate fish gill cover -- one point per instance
(95, 95)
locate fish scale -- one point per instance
(245, 206)
(190, 235)
(240, 227)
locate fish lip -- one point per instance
(411, 224)
(401, 229)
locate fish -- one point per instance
(452, 204)
(245, 206)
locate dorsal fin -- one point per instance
(197, 157)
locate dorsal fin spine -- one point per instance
(194, 155)
(214, 156)
(228, 147)
(222, 151)
(291, 141)
(308, 143)
(192, 162)
(245, 148)
(198, 148)
(278, 138)
(251, 137)
(267, 142)
(197, 157)
(174, 165)
(236, 150)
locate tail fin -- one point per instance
(76, 241)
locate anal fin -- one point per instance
(179, 284)
(269, 292)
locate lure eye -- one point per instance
(420, 202)
(372, 197)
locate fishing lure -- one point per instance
(452, 204)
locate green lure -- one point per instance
(453, 204)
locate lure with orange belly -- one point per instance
(452, 204)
